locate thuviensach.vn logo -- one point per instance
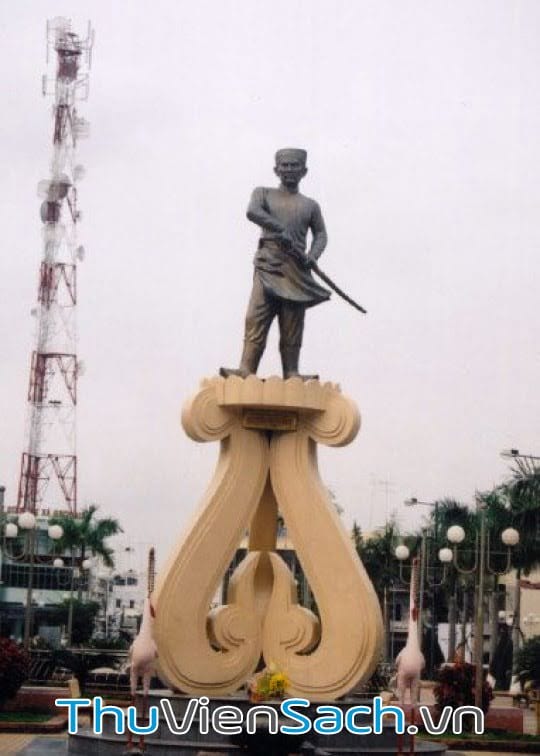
(231, 720)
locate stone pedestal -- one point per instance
(268, 433)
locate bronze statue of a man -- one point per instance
(282, 283)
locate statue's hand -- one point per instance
(286, 241)
(309, 262)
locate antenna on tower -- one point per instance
(48, 474)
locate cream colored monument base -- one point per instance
(268, 432)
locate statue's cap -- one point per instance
(291, 153)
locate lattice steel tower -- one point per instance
(48, 475)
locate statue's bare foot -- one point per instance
(302, 377)
(227, 372)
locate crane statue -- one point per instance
(410, 661)
(143, 650)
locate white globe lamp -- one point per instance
(455, 534)
(510, 537)
(27, 521)
(55, 532)
(445, 555)
(11, 530)
(402, 552)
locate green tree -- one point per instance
(450, 511)
(84, 615)
(498, 517)
(523, 494)
(455, 590)
(516, 504)
(86, 535)
(522, 491)
(528, 663)
(378, 557)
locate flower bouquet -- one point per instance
(267, 684)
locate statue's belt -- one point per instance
(274, 244)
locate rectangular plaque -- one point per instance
(268, 419)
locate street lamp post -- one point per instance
(456, 535)
(75, 572)
(516, 454)
(27, 522)
(424, 566)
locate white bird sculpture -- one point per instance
(410, 661)
(143, 650)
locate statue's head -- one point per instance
(291, 166)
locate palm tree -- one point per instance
(499, 516)
(523, 494)
(445, 513)
(378, 557)
(87, 535)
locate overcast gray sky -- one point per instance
(421, 119)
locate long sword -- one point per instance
(315, 268)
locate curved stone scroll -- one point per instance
(188, 582)
(298, 630)
(350, 616)
(260, 471)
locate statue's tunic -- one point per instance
(281, 273)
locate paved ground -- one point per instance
(34, 745)
(51, 745)
(14, 743)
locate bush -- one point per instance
(14, 665)
(380, 680)
(528, 663)
(84, 615)
(80, 663)
(455, 687)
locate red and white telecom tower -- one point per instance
(48, 475)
